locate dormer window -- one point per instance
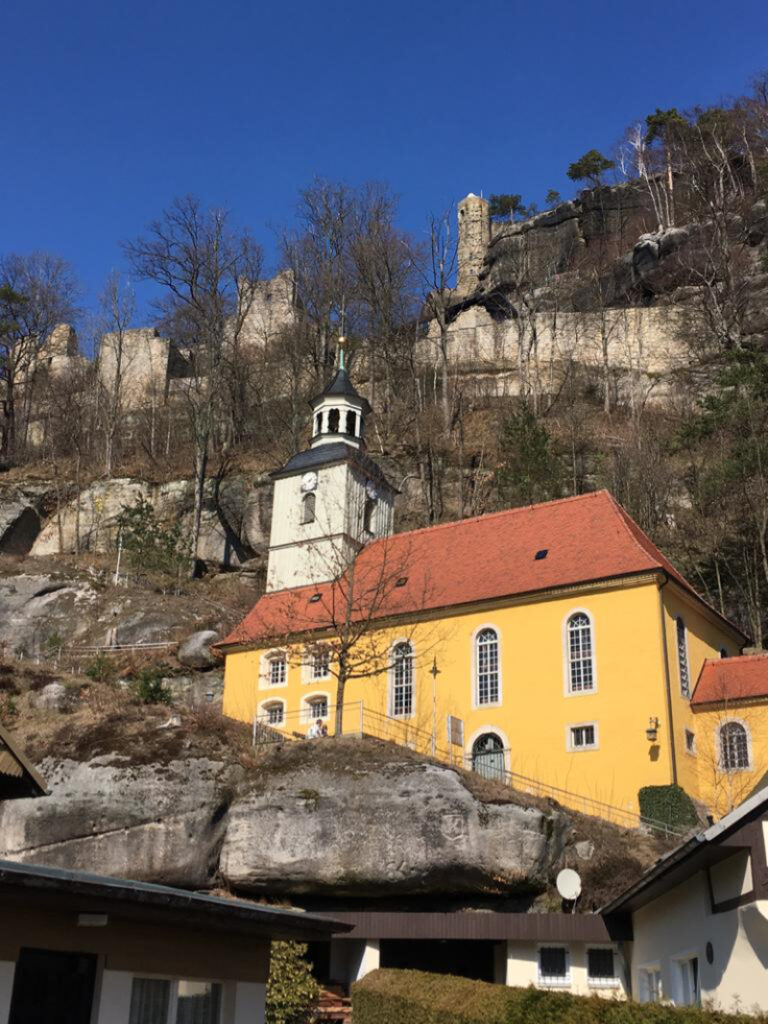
(333, 421)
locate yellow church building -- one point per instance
(552, 644)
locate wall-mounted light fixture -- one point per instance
(652, 732)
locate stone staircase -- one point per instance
(333, 1007)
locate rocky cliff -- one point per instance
(178, 796)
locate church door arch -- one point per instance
(488, 756)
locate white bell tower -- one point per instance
(331, 499)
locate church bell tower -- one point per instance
(330, 499)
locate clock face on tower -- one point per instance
(309, 481)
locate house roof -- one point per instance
(18, 776)
(730, 679)
(699, 851)
(516, 552)
(151, 902)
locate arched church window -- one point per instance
(487, 666)
(682, 657)
(734, 747)
(581, 666)
(333, 421)
(308, 508)
(351, 423)
(402, 680)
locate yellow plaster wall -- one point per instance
(706, 635)
(721, 790)
(535, 711)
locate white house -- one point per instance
(699, 917)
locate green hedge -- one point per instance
(669, 805)
(413, 997)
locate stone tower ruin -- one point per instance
(474, 236)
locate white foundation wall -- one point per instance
(523, 969)
(352, 959)
(679, 925)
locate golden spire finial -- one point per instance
(342, 350)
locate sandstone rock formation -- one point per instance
(407, 827)
(195, 651)
(159, 823)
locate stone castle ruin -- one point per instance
(591, 282)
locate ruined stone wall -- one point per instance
(273, 308)
(143, 358)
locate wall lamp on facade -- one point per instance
(652, 732)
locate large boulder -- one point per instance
(195, 651)
(398, 826)
(154, 822)
(34, 608)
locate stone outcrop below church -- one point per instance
(333, 817)
(402, 827)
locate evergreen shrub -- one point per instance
(669, 805)
(414, 997)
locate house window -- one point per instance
(682, 658)
(690, 741)
(277, 671)
(368, 511)
(601, 969)
(650, 985)
(688, 981)
(320, 665)
(154, 1001)
(581, 669)
(734, 747)
(308, 508)
(487, 666)
(275, 713)
(402, 680)
(554, 966)
(582, 737)
(318, 707)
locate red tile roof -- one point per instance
(586, 538)
(729, 679)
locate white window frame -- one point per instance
(544, 981)
(719, 747)
(474, 661)
(264, 709)
(308, 715)
(643, 973)
(173, 994)
(680, 962)
(613, 982)
(567, 654)
(308, 666)
(572, 748)
(685, 693)
(391, 675)
(265, 670)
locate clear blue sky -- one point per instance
(110, 109)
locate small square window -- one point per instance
(582, 737)
(600, 967)
(318, 708)
(277, 671)
(554, 968)
(321, 664)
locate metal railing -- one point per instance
(358, 720)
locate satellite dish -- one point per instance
(568, 884)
